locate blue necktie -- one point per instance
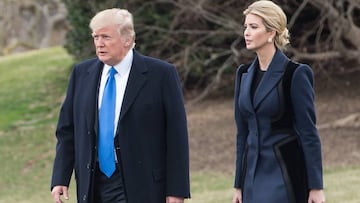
(106, 126)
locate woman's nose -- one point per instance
(246, 31)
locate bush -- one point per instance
(78, 38)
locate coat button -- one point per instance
(88, 166)
(84, 198)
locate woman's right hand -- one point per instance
(237, 196)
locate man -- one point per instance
(122, 127)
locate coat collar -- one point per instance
(137, 79)
(93, 78)
(270, 79)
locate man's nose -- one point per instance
(99, 43)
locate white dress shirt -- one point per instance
(121, 78)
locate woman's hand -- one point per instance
(237, 196)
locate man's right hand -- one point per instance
(59, 190)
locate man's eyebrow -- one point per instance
(100, 35)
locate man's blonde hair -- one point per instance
(115, 16)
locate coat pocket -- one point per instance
(159, 175)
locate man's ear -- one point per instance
(127, 41)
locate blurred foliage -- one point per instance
(204, 39)
(164, 29)
(78, 38)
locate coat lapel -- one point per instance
(137, 78)
(93, 79)
(245, 88)
(271, 78)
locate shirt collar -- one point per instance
(124, 66)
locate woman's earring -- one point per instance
(269, 40)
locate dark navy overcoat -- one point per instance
(258, 171)
(152, 132)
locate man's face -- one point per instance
(110, 46)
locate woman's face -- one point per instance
(255, 34)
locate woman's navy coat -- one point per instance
(258, 172)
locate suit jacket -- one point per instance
(152, 132)
(258, 171)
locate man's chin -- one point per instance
(103, 59)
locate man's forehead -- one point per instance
(105, 29)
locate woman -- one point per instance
(260, 175)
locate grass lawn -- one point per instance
(342, 186)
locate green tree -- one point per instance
(78, 39)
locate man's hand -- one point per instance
(59, 190)
(316, 196)
(171, 199)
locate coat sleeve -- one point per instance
(64, 158)
(302, 96)
(241, 130)
(177, 148)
